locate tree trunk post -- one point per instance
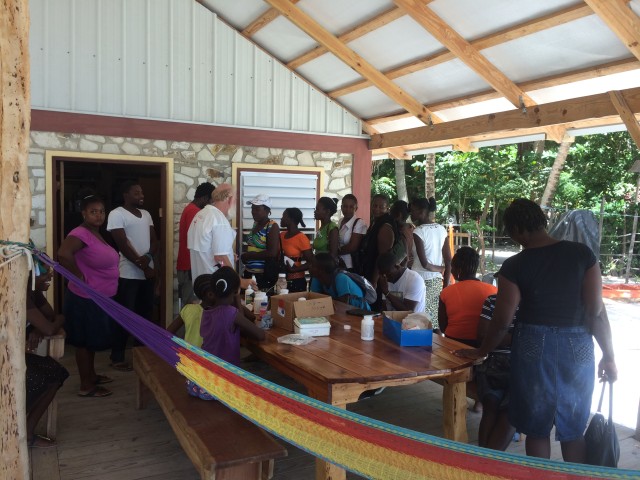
(401, 180)
(634, 229)
(554, 175)
(15, 199)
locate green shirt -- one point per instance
(321, 242)
(191, 314)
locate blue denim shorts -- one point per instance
(551, 383)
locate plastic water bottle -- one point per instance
(260, 304)
(366, 328)
(249, 295)
(281, 284)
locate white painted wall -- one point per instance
(167, 60)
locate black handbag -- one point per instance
(603, 448)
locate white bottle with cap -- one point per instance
(249, 295)
(281, 284)
(260, 303)
(366, 328)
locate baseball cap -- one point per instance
(261, 199)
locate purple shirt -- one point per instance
(98, 262)
(220, 334)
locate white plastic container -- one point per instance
(281, 284)
(260, 304)
(366, 328)
(249, 296)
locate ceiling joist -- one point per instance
(626, 114)
(462, 49)
(351, 58)
(527, 28)
(369, 26)
(545, 82)
(619, 17)
(262, 21)
(566, 112)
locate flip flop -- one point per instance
(121, 366)
(95, 392)
(40, 441)
(102, 379)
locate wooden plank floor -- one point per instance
(107, 438)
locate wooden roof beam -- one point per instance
(559, 79)
(370, 25)
(351, 58)
(538, 117)
(462, 49)
(626, 114)
(621, 20)
(262, 21)
(527, 28)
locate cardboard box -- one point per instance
(392, 329)
(285, 308)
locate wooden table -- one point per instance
(338, 368)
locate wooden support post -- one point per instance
(15, 201)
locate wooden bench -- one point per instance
(220, 443)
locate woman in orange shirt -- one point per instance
(461, 303)
(297, 247)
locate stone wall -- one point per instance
(193, 163)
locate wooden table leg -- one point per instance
(327, 470)
(454, 411)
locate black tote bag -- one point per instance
(602, 442)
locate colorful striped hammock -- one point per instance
(356, 443)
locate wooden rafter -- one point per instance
(565, 112)
(626, 114)
(370, 25)
(462, 49)
(527, 28)
(621, 20)
(559, 79)
(262, 21)
(351, 58)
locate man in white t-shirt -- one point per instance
(132, 229)
(403, 288)
(211, 238)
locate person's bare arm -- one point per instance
(507, 302)
(153, 241)
(66, 254)
(353, 245)
(247, 327)
(307, 255)
(334, 243)
(396, 302)
(443, 318)
(43, 324)
(446, 258)
(120, 237)
(597, 321)
(176, 325)
(222, 260)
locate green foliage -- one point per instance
(597, 167)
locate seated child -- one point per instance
(460, 304)
(327, 279)
(191, 314)
(223, 322)
(44, 376)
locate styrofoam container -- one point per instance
(312, 329)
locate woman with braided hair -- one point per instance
(296, 246)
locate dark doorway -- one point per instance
(73, 175)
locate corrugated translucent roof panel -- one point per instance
(438, 83)
(169, 60)
(582, 43)
(473, 18)
(238, 13)
(397, 43)
(479, 108)
(328, 72)
(352, 13)
(369, 102)
(283, 39)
